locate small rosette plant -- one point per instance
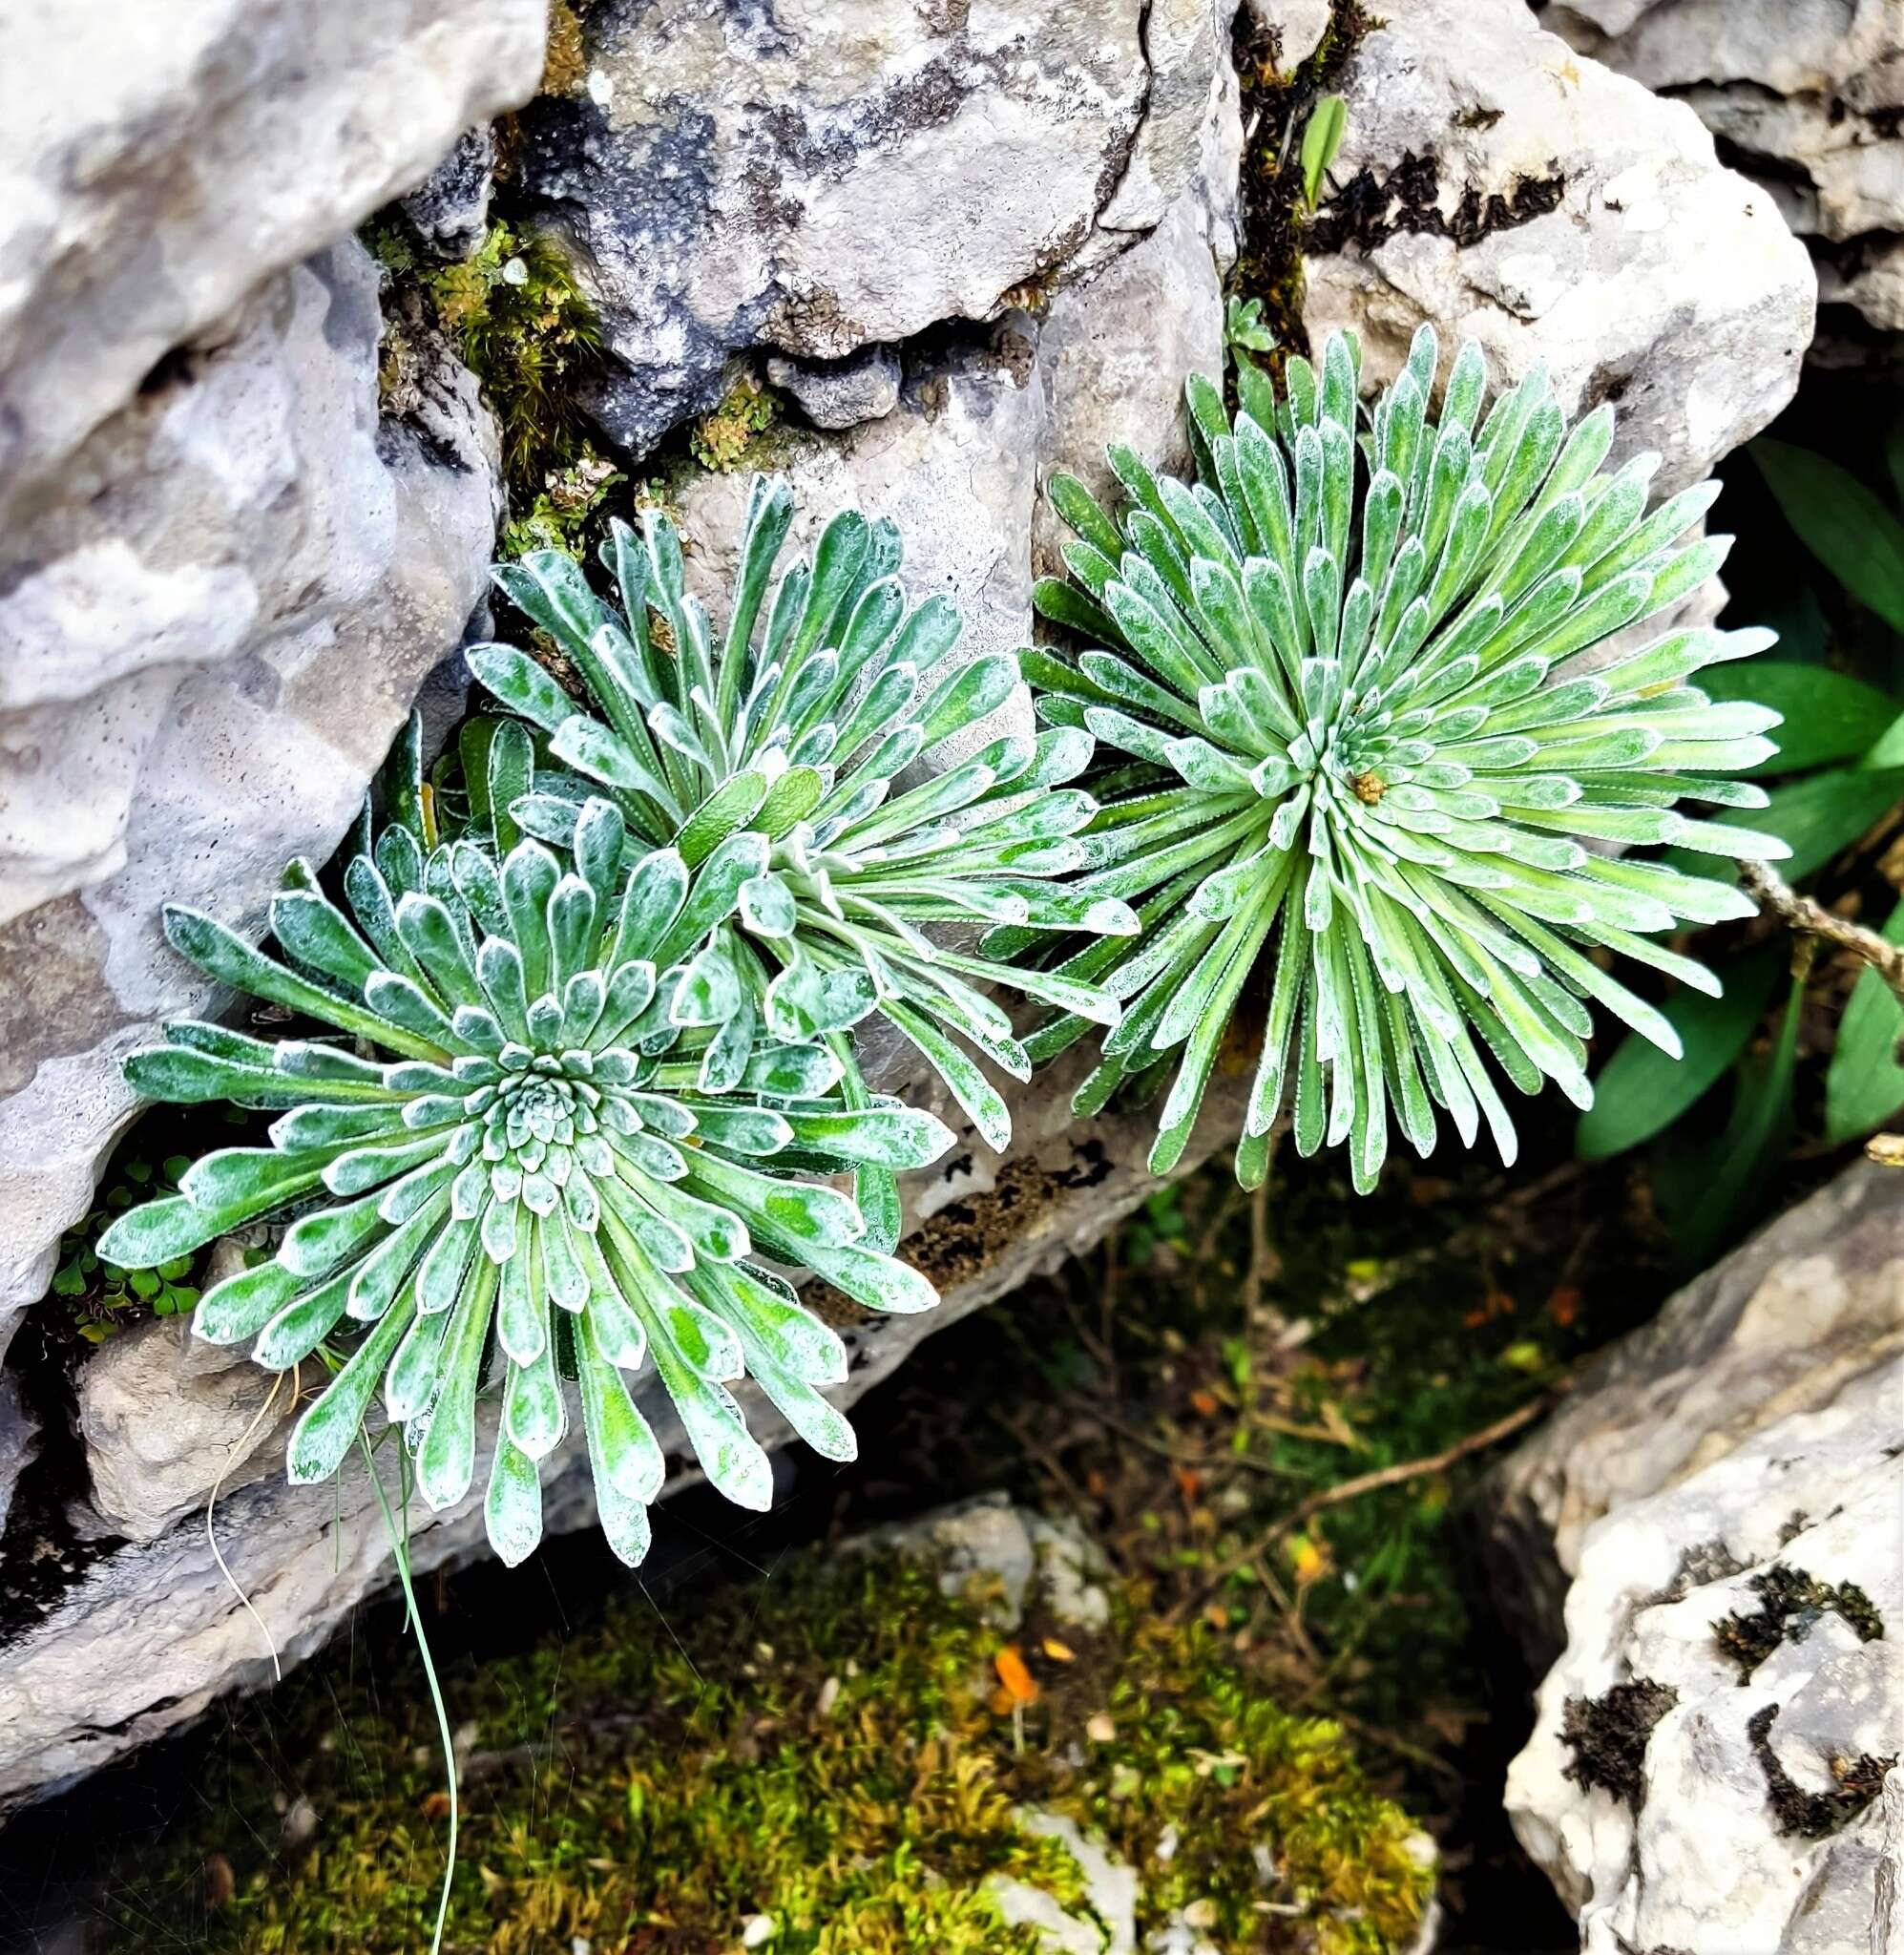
(1380, 755)
(512, 1168)
(794, 727)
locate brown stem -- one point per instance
(1806, 916)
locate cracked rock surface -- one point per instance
(819, 180)
(1520, 193)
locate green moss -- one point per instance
(723, 438)
(525, 329)
(826, 1752)
(565, 65)
(565, 510)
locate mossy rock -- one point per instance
(840, 1752)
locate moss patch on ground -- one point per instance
(833, 1752)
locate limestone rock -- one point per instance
(211, 636)
(1192, 127)
(167, 1419)
(1750, 1438)
(1114, 351)
(1014, 1557)
(1779, 1329)
(1873, 281)
(1069, 1572)
(1299, 26)
(823, 181)
(19, 1442)
(1107, 1924)
(1720, 1847)
(224, 576)
(1808, 96)
(841, 393)
(953, 465)
(1558, 212)
(159, 163)
(979, 1549)
(152, 1633)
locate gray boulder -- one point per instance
(210, 642)
(226, 576)
(823, 181)
(1558, 212)
(1721, 1502)
(162, 162)
(1809, 98)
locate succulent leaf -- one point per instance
(785, 738)
(548, 1162)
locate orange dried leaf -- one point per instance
(1014, 1677)
(1059, 1652)
(1204, 1403)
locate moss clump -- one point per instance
(1789, 1603)
(525, 329)
(722, 437)
(565, 65)
(564, 509)
(829, 1752)
(1608, 1735)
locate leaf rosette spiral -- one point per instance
(795, 728)
(1379, 753)
(514, 1167)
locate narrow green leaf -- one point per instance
(1641, 1090)
(1864, 1085)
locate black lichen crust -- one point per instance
(1789, 1603)
(1608, 1735)
(1812, 1814)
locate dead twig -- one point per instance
(1807, 916)
(1197, 1463)
(1385, 1476)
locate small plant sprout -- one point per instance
(1380, 752)
(1322, 141)
(518, 1164)
(1245, 330)
(783, 739)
